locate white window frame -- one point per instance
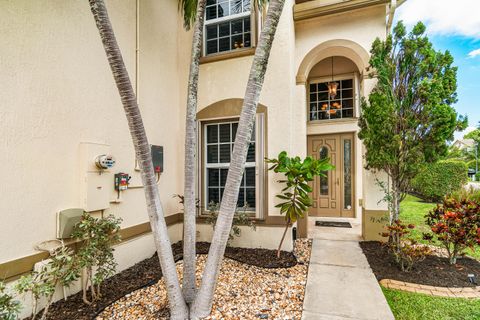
(232, 17)
(258, 164)
(355, 96)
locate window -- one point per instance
(322, 107)
(347, 174)
(227, 25)
(218, 146)
(324, 178)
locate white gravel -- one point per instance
(243, 292)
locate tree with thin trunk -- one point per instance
(178, 307)
(189, 220)
(409, 116)
(204, 298)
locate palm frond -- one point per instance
(188, 8)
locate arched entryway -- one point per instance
(332, 117)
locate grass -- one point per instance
(414, 306)
(413, 210)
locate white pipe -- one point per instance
(137, 48)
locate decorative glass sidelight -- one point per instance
(324, 179)
(347, 174)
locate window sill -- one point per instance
(332, 121)
(228, 55)
(269, 221)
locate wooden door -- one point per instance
(333, 194)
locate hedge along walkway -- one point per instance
(467, 292)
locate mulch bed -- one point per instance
(148, 272)
(433, 271)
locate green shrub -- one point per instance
(242, 217)
(405, 250)
(95, 255)
(9, 308)
(439, 179)
(469, 194)
(456, 224)
(472, 164)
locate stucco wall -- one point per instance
(348, 35)
(58, 91)
(227, 79)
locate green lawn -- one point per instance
(414, 306)
(413, 210)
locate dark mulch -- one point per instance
(148, 272)
(434, 270)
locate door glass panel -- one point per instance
(347, 174)
(324, 177)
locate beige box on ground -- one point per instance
(374, 222)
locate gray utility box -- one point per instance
(66, 220)
(157, 157)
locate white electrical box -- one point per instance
(95, 183)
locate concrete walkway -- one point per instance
(341, 285)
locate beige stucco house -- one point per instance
(60, 110)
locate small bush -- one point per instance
(456, 225)
(472, 164)
(61, 268)
(405, 251)
(241, 218)
(95, 255)
(9, 308)
(439, 179)
(470, 194)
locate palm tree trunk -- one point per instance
(203, 302)
(189, 223)
(178, 306)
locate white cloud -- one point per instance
(446, 17)
(474, 53)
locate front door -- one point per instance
(333, 194)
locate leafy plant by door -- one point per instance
(295, 195)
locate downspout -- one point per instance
(137, 48)
(391, 14)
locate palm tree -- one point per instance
(203, 298)
(191, 10)
(203, 302)
(178, 307)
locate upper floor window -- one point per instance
(227, 25)
(323, 107)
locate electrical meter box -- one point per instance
(157, 158)
(95, 184)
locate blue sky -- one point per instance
(453, 26)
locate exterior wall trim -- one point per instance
(337, 47)
(13, 269)
(318, 8)
(227, 55)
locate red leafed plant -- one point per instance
(406, 251)
(456, 225)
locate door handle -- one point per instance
(338, 181)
